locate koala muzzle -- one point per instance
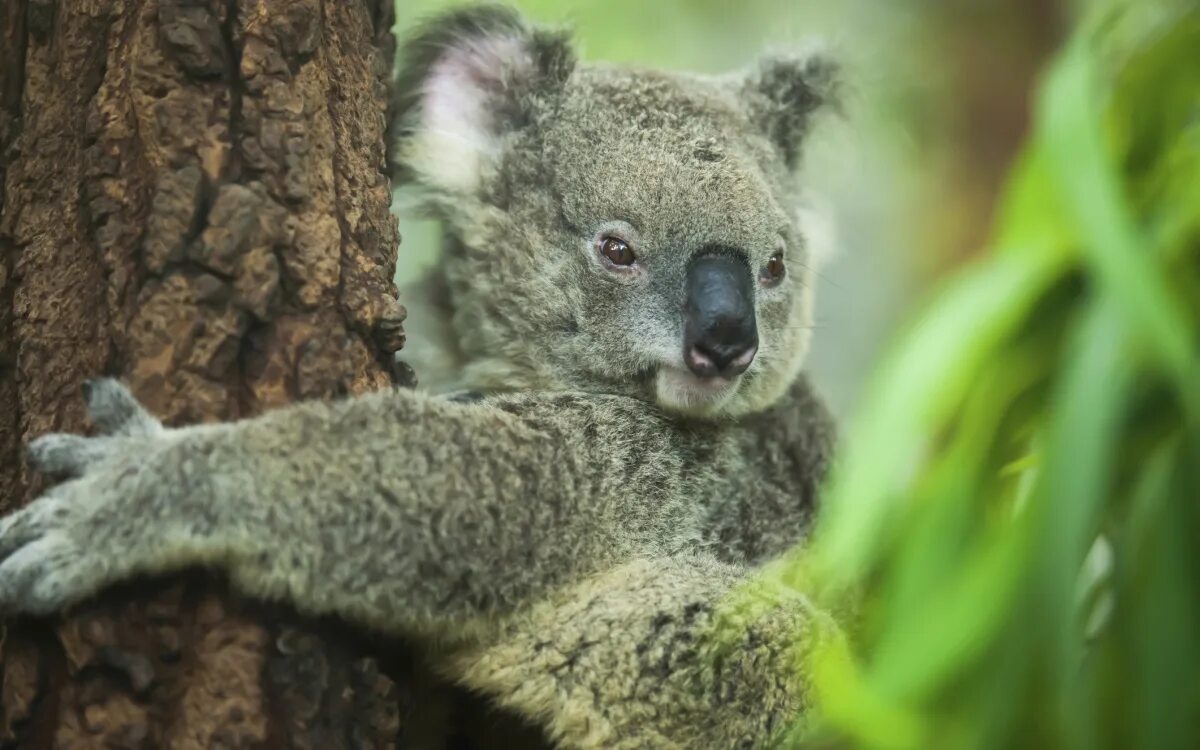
(720, 335)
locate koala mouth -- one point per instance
(678, 389)
(720, 335)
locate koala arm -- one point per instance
(398, 510)
(652, 653)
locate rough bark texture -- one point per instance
(194, 199)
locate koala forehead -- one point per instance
(675, 156)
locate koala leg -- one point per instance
(637, 657)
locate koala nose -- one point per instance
(720, 336)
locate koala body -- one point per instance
(625, 292)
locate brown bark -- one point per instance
(195, 199)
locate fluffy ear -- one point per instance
(468, 77)
(784, 92)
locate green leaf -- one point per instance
(914, 390)
(1069, 125)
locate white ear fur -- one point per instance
(457, 133)
(467, 78)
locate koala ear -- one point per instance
(467, 78)
(784, 92)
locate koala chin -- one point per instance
(625, 286)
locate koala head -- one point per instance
(612, 229)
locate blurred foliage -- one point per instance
(1011, 541)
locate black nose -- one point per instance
(720, 336)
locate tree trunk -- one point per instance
(194, 199)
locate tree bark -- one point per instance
(194, 199)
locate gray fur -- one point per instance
(116, 412)
(564, 541)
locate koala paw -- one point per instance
(65, 545)
(47, 556)
(118, 417)
(115, 411)
(46, 575)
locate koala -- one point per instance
(618, 433)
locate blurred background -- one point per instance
(938, 106)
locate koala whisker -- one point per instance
(823, 277)
(810, 327)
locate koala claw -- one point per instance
(44, 575)
(27, 525)
(115, 411)
(61, 454)
(43, 563)
(118, 418)
(52, 552)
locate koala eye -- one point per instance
(774, 271)
(616, 250)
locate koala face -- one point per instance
(614, 230)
